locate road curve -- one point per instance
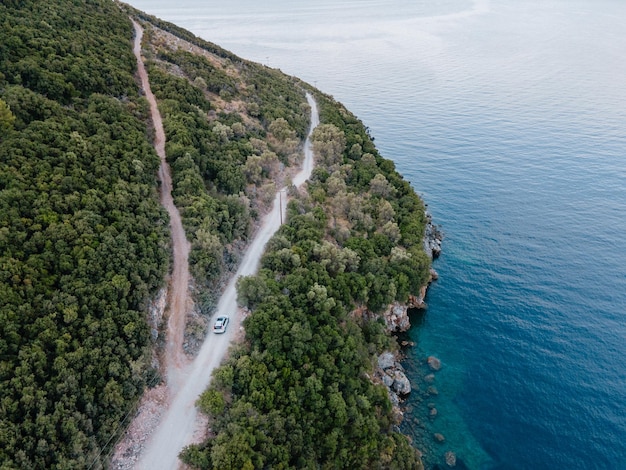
(179, 299)
(178, 423)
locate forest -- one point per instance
(298, 393)
(231, 127)
(83, 239)
(84, 246)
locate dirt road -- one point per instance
(186, 383)
(179, 299)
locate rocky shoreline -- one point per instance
(433, 236)
(390, 371)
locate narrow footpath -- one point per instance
(185, 382)
(179, 300)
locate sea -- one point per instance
(509, 118)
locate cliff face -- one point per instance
(433, 236)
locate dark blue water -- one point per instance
(510, 119)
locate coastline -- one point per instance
(397, 317)
(389, 369)
(387, 183)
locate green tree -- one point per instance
(7, 119)
(328, 143)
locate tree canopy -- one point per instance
(84, 245)
(298, 393)
(83, 239)
(231, 126)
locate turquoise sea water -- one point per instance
(510, 119)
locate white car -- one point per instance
(220, 325)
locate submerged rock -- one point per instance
(434, 363)
(450, 458)
(439, 437)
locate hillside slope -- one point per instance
(83, 240)
(84, 245)
(299, 391)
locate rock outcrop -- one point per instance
(386, 360)
(401, 384)
(391, 374)
(432, 238)
(397, 314)
(396, 318)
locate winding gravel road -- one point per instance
(187, 382)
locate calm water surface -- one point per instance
(510, 119)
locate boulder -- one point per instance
(386, 360)
(450, 458)
(387, 380)
(401, 384)
(434, 363)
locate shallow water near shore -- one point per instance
(509, 118)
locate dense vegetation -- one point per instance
(231, 126)
(82, 235)
(83, 244)
(298, 393)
